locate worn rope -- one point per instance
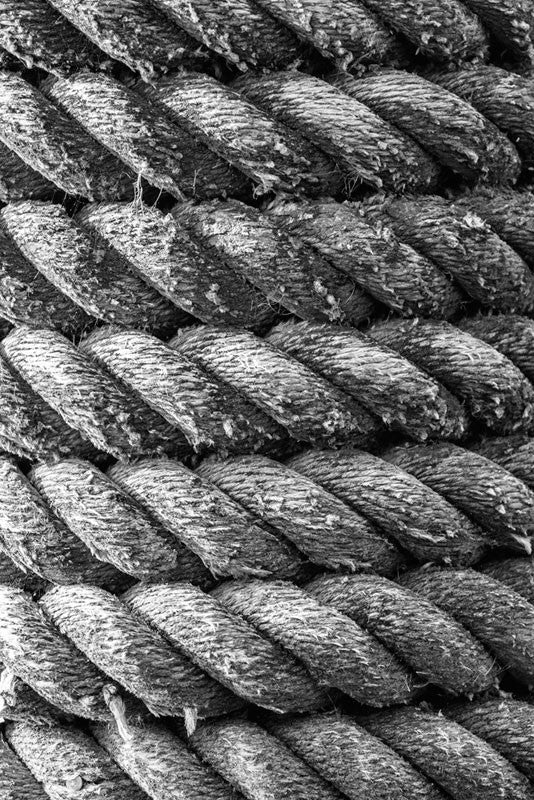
(251, 516)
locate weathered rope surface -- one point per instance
(228, 262)
(158, 520)
(222, 388)
(313, 756)
(376, 658)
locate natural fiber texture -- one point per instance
(493, 389)
(18, 180)
(206, 413)
(462, 245)
(69, 764)
(425, 524)
(496, 615)
(373, 374)
(162, 765)
(310, 408)
(273, 156)
(334, 649)
(367, 148)
(441, 29)
(462, 764)
(345, 29)
(439, 650)
(514, 453)
(458, 136)
(286, 270)
(510, 22)
(88, 399)
(386, 267)
(227, 538)
(226, 647)
(32, 31)
(490, 495)
(97, 279)
(51, 143)
(133, 32)
(354, 761)
(111, 524)
(16, 779)
(510, 214)
(163, 253)
(503, 97)
(149, 144)
(240, 31)
(327, 530)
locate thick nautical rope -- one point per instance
(226, 262)
(192, 135)
(260, 34)
(221, 388)
(252, 516)
(321, 756)
(250, 641)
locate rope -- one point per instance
(462, 245)
(221, 388)
(450, 128)
(52, 144)
(503, 97)
(134, 33)
(18, 180)
(36, 34)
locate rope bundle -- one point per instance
(192, 135)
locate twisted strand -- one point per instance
(514, 453)
(505, 98)
(162, 765)
(103, 629)
(444, 30)
(16, 779)
(30, 428)
(67, 762)
(450, 128)
(336, 651)
(462, 764)
(496, 615)
(19, 181)
(272, 155)
(349, 757)
(513, 336)
(510, 22)
(367, 148)
(206, 412)
(310, 408)
(161, 251)
(344, 30)
(53, 144)
(371, 255)
(226, 647)
(491, 496)
(510, 214)
(35, 33)
(494, 390)
(149, 144)
(373, 374)
(95, 278)
(109, 522)
(506, 724)
(327, 530)
(27, 297)
(438, 649)
(134, 33)
(289, 272)
(228, 539)
(88, 399)
(516, 573)
(462, 246)
(425, 524)
(38, 541)
(240, 31)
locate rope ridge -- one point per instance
(226, 262)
